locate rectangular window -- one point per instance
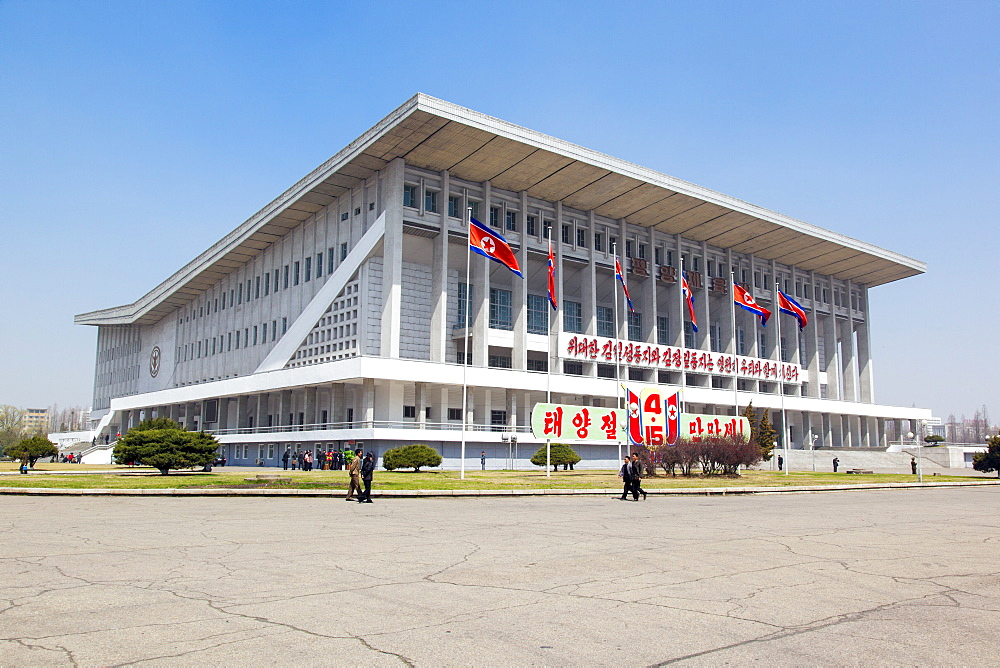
(285, 281)
(267, 284)
(531, 226)
(465, 294)
(295, 273)
(410, 196)
(741, 344)
(494, 216)
(223, 301)
(255, 334)
(501, 314)
(409, 411)
(276, 274)
(345, 216)
(256, 287)
(284, 326)
(657, 256)
(688, 335)
(237, 339)
(343, 251)
(546, 229)
(598, 242)
(613, 245)
(213, 345)
(662, 330)
(606, 321)
(309, 262)
(239, 294)
(538, 365)
(511, 224)
(642, 251)
(538, 314)
(761, 344)
(431, 201)
(581, 238)
(229, 341)
(565, 234)
(715, 337)
(455, 414)
(199, 349)
(249, 284)
(454, 206)
(499, 362)
(475, 209)
(274, 330)
(784, 349)
(330, 260)
(319, 265)
(634, 326)
(573, 317)
(573, 368)
(263, 333)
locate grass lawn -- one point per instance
(443, 480)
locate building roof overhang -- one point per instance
(433, 134)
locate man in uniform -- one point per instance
(355, 470)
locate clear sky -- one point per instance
(135, 134)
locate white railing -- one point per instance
(375, 424)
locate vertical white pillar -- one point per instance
(392, 259)
(439, 278)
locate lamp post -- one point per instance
(920, 471)
(511, 442)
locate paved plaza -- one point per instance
(877, 577)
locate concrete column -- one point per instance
(519, 354)
(480, 312)
(865, 372)
(420, 402)
(811, 362)
(392, 258)
(439, 279)
(847, 365)
(368, 402)
(338, 403)
(832, 357)
(556, 328)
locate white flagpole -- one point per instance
(781, 381)
(465, 359)
(614, 349)
(736, 357)
(548, 366)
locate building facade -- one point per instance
(36, 421)
(335, 316)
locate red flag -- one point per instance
(491, 244)
(552, 278)
(744, 299)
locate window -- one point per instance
(497, 419)
(465, 294)
(237, 339)
(547, 229)
(263, 333)
(213, 345)
(357, 211)
(409, 411)
(343, 251)
(605, 371)
(475, 209)
(511, 223)
(494, 216)
(606, 321)
(345, 216)
(784, 349)
(500, 361)
(741, 346)
(500, 309)
(284, 326)
(409, 196)
(454, 413)
(255, 334)
(531, 226)
(538, 314)
(581, 237)
(249, 283)
(295, 273)
(431, 201)
(229, 341)
(330, 259)
(629, 248)
(538, 365)
(657, 255)
(276, 274)
(642, 251)
(634, 326)
(598, 242)
(573, 317)
(239, 294)
(613, 245)
(761, 344)
(319, 265)
(688, 335)
(274, 330)
(309, 262)
(267, 284)
(573, 368)
(715, 337)
(662, 330)
(223, 301)
(285, 282)
(454, 206)
(565, 234)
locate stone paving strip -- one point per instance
(702, 491)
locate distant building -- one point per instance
(36, 420)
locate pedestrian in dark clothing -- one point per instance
(781, 462)
(285, 457)
(625, 473)
(836, 464)
(482, 459)
(913, 465)
(367, 471)
(636, 478)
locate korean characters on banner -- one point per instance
(697, 427)
(575, 423)
(653, 417)
(608, 351)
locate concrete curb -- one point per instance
(409, 493)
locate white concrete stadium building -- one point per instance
(334, 316)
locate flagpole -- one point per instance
(781, 381)
(465, 359)
(736, 358)
(548, 365)
(614, 349)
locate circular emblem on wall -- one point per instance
(154, 361)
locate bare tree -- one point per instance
(11, 426)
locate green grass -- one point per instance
(441, 480)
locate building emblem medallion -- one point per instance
(154, 361)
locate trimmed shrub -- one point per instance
(410, 457)
(559, 454)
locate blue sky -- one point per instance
(135, 134)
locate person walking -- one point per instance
(354, 469)
(836, 464)
(781, 462)
(367, 471)
(637, 478)
(913, 465)
(285, 457)
(625, 473)
(482, 459)
(309, 460)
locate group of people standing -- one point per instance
(332, 460)
(361, 470)
(631, 475)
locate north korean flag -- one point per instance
(792, 308)
(491, 244)
(689, 298)
(743, 298)
(633, 412)
(552, 278)
(673, 411)
(621, 277)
